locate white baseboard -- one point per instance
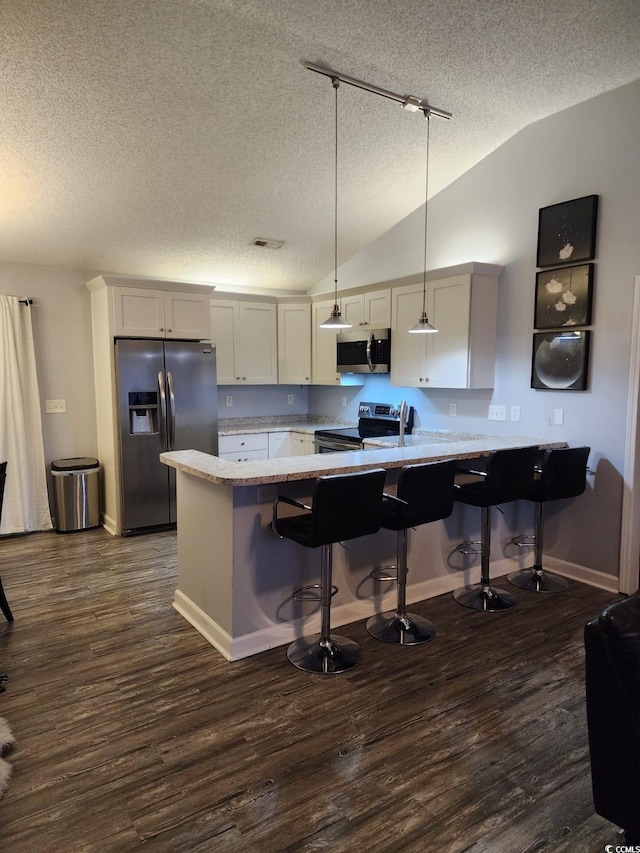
(353, 611)
(109, 525)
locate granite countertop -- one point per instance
(256, 472)
(299, 423)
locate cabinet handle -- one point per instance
(238, 378)
(161, 329)
(169, 330)
(242, 444)
(244, 378)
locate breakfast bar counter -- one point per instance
(236, 578)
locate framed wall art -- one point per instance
(567, 232)
(564, 297)
(560, 360)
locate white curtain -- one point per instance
(26, 504)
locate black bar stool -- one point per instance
(4, 604)
(507, 477)
(344, 506)
(561, 473)
(424, 494)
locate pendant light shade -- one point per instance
(423, 326)
(335, 319)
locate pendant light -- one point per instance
(335, 320)
(423, 326)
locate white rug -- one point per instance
(7, 740)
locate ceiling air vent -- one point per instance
(264, 243)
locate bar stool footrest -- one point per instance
(526, 540)
(312, 592)
(384, 573)
(473, 547)
(408, 629)
(324, 657)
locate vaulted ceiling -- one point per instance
(160, 137)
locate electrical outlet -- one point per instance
(228, 400)
(453, 409)
(290, 399)
(515, 413)
(267, 494)
(497, 413)
(344, 402)
(558, 417)
(55, 407)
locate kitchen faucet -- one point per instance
(403, 413)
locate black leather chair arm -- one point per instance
(274, 511)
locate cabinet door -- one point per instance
(302, 443)
(257, 344)
(279, 445)
(408, 352)
(448, 307)
(294, 344)
(323, 347)
(138, 312)
(352, 308)
(187, 316)
(224, 321)
(377, 309)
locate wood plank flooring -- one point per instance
(133, 731)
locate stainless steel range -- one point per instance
(375, 420)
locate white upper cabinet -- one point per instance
(462, 353)
(370, 310)
(141, 312)
(245, 335)
(294, 343)
(323, 347)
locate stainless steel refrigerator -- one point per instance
(168, 400)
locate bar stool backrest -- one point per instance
(564, 474)
(428, 490)
(346, 506)
(509, 475)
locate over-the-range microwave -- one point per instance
(364, 351)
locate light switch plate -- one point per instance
(497, 413)
(558, 417)
(55, 407)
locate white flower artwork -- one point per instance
(563, 297)
(567, 232)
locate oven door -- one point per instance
(325, 444)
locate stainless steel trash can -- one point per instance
(76, 493)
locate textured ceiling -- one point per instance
(159, 137)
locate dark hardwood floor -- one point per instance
(132, 730)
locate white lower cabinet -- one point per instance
(302, 443)
(279, 444)
(242, 448)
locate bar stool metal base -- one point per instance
(407, 630)
(484, 597)
(324, 657)
(534, 581)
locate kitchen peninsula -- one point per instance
(236, 578)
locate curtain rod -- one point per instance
(28, 301)
(409, 102)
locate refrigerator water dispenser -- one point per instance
(143, 412)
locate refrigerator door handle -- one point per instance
(162, 426)
(171, 421)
